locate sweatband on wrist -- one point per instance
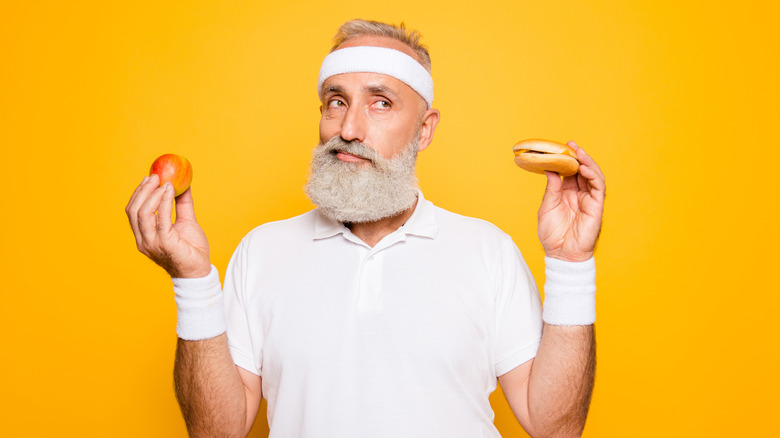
(569, 292)
(370, 59)
(200, 313)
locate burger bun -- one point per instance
(538, 156)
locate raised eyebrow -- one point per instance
(332, 89)
(379, 89)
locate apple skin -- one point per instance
(175, 169)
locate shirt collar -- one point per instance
(325, 227)
(421, 223)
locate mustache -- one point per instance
(354, 147)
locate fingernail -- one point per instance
(168, 186)
(143, 181)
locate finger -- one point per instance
(554, 183)
(185, 207)
(594, 179)
(137, 189)
(147, 219)
(552, 193)
(130, 209)
(582, 182)
(164, 223)
(585, 159)
(133, 204)
(570, 182)
(140, 195)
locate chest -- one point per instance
(368, 310)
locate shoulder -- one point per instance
(479, 243)
(469, 227)
(283, 231)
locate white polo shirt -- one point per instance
(405, 339)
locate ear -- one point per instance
(320, 109)
(429, 121)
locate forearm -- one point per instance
(561, 381)
(553, 397)
(209, 389)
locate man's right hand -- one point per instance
(181, 248)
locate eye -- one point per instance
(382, 104)
(336, 103)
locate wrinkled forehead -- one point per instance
(382, 60)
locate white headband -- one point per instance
(382, 60)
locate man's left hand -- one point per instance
(571, 211)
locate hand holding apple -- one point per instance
(180, 247)
(175, 169)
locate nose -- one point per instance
(353, 125)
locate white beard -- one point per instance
(361, 192)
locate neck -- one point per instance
(373, 232)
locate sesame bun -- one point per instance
(537, 155)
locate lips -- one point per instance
(350, 151)
(349, 157)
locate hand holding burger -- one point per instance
(572, 206)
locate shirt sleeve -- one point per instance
(244, 353)
(518, 311)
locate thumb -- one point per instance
(185, 208)
(553, 183)
(552, 192)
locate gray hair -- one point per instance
(356, 28)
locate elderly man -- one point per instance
(378, 314)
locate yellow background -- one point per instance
(676, 100)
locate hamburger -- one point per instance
(535, 155)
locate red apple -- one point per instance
(174, 169)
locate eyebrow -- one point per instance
(378, 89)
(372, 88)
(337, 89)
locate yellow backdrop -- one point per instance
(676, 100)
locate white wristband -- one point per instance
(200, 313)
(569, 292)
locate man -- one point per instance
(379, 314)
